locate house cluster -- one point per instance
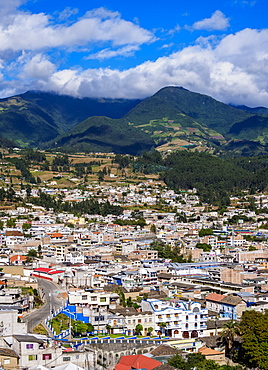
(122, 278)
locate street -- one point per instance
(52, 303)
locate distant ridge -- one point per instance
(174, 118)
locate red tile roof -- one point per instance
(17, 257)
(215, 297)
(137, 362)
(209, 351)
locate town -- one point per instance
(150, 275)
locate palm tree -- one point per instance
(228, 334)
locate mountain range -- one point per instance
(173, 118)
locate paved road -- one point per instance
(53, 302)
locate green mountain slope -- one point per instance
(35, 117)
(173, 118)
(177, 118)
(172, 102)
(103, 134)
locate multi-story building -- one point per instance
(178, 320)
(228, 306)
(93, 305)
(34, 351)
(125, 321)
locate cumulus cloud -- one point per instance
(217, 22)
(10, 6)
(99, 25)
(234, 71)
(232, 68)
(38, 67)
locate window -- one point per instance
(139, 321)
(175, 322)
(32, 357)
(176, 314)
(160, 316)
(195, 317)
(96, 318)
(103, 299)
(134, 321)
(145, 320)
(47, 356)
(129, 321)
(66, 359)
(29, 346)
(94, 298)
(168, 315)
(187, 317)
(102, 318)
(84, 297)
(6, 361)
(150, 319)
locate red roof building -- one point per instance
(137, 362)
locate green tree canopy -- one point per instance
(138, 329)
(254, 348)
(204, 232)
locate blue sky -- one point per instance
(119, 49)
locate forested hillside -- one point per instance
(214, 178)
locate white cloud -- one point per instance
(243, 3)
(232, 68)
(217, 22)
(38, 67)
(176, 29)
(99, 25)
(66, 13)
(234, 71)
(10, 6)
(167, 46)
(125, 51)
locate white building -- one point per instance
(178, 319)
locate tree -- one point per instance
(28, 190)
(153, 228)
(26, 226)
(206, 247)
(122, 297)
(254, 348)
(100, 176)
(162, 326)
(108, 328)
(80, 327)
(129, 302)
(32, 253)
(90, 328)
(11, 222)
(204, 232)
(39, 251)
(228, 334)
(198, 361)
(138, 329)
(177, 361)
(150, 330)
